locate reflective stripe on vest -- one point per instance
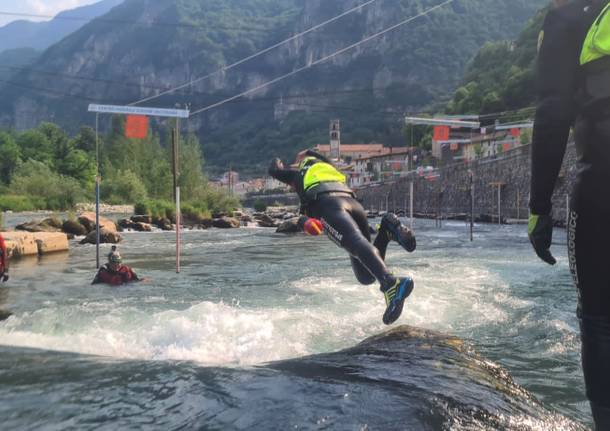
(321, 173)
(597, 43)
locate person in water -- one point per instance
(574, 90)
(329, 206)
(3, 261)
(114, 272)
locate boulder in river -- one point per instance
(142, 219)
(106, 237)
(47, 225)
(267, 221)
(73, 227)
(226, 223)
(289, 226)
(404, 379)
(87, 219)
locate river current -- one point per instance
(249, 297)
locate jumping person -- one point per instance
(3, 261)
(114, 272)
(574, 89)
(328, 205)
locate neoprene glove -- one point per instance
(5, 277)
(540, 232)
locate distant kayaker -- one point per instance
(114, 272)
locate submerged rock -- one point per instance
(106, 237)
(289, 226)
(73, 227)
(226, 223)
(404, 379)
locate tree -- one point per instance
(10, 157)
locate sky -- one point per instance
(37, 7)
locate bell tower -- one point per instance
(335, 139)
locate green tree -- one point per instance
(10, 157)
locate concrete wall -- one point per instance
(449, 192)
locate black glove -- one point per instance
(540, 231)
(5, 277)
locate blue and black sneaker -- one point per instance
(395, 296)
(396, 231)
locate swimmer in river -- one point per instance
(329, 205)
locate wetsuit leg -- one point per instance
(588, 238)
(336, 214)
(358, 213)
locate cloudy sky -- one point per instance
(37, 7)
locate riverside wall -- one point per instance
(445, 192)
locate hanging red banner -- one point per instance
(515, 133)
(136, 127)
(441, 133)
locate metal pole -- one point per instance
(471, 206)
(499, 204)
(411, 203)
(176, 174)
(518, 205)
(97, 193)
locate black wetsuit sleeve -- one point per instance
(557, 82)
(286, 176)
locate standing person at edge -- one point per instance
(333, 208)
(574, 89)
(3, 261)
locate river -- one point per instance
(250, 297)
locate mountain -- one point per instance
(41, 35)
(501, 77)
(14, 60)
(142, 47)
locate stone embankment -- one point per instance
(501, 189)
(20, 244)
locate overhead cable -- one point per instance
(257, 54)
(323, 59)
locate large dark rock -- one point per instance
(106, 237)
(163, 223)
(206, 223)
(289, 226)
(226, 223)
(142, 219)
(266, 221)
(142, 227)
(73, 227)
(33, 226)
(87, 219)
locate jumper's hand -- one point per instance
(540, 231)
(5, 278)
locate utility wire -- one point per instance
(258, 54)
(124, 22)
(323, 59)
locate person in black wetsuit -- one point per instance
(574, 90)
(328, 204)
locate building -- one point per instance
(382, 167)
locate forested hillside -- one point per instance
(163, 43)
(502, 75)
